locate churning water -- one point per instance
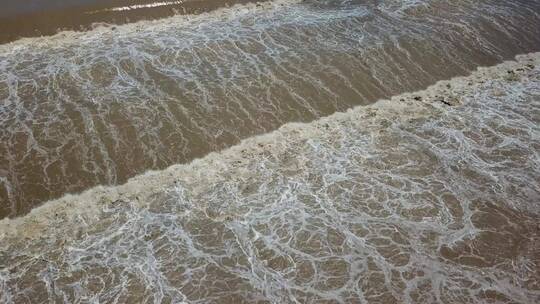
(428, 197)
(98, 107)
(424, 198)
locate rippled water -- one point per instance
(98, 107)
(429, 197)
(426, 197)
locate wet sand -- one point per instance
(427, 197)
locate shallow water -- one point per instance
(34, 18)
(98, 107)
(429, 197)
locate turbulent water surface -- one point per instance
(98, 107)
(427, 197)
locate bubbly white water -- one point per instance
(98, 107)
(429, 197)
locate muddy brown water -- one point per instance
(411, 200)
(81, 109)
(38, 18)
(429, 197)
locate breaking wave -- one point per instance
(81, 109)
(428, 197)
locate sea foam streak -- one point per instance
(428, 197)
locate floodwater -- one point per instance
(426, 197)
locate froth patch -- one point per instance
(76, 210)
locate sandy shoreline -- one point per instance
(58, 215)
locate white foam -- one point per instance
(419, 198)
(166, 80)
(200, 171)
